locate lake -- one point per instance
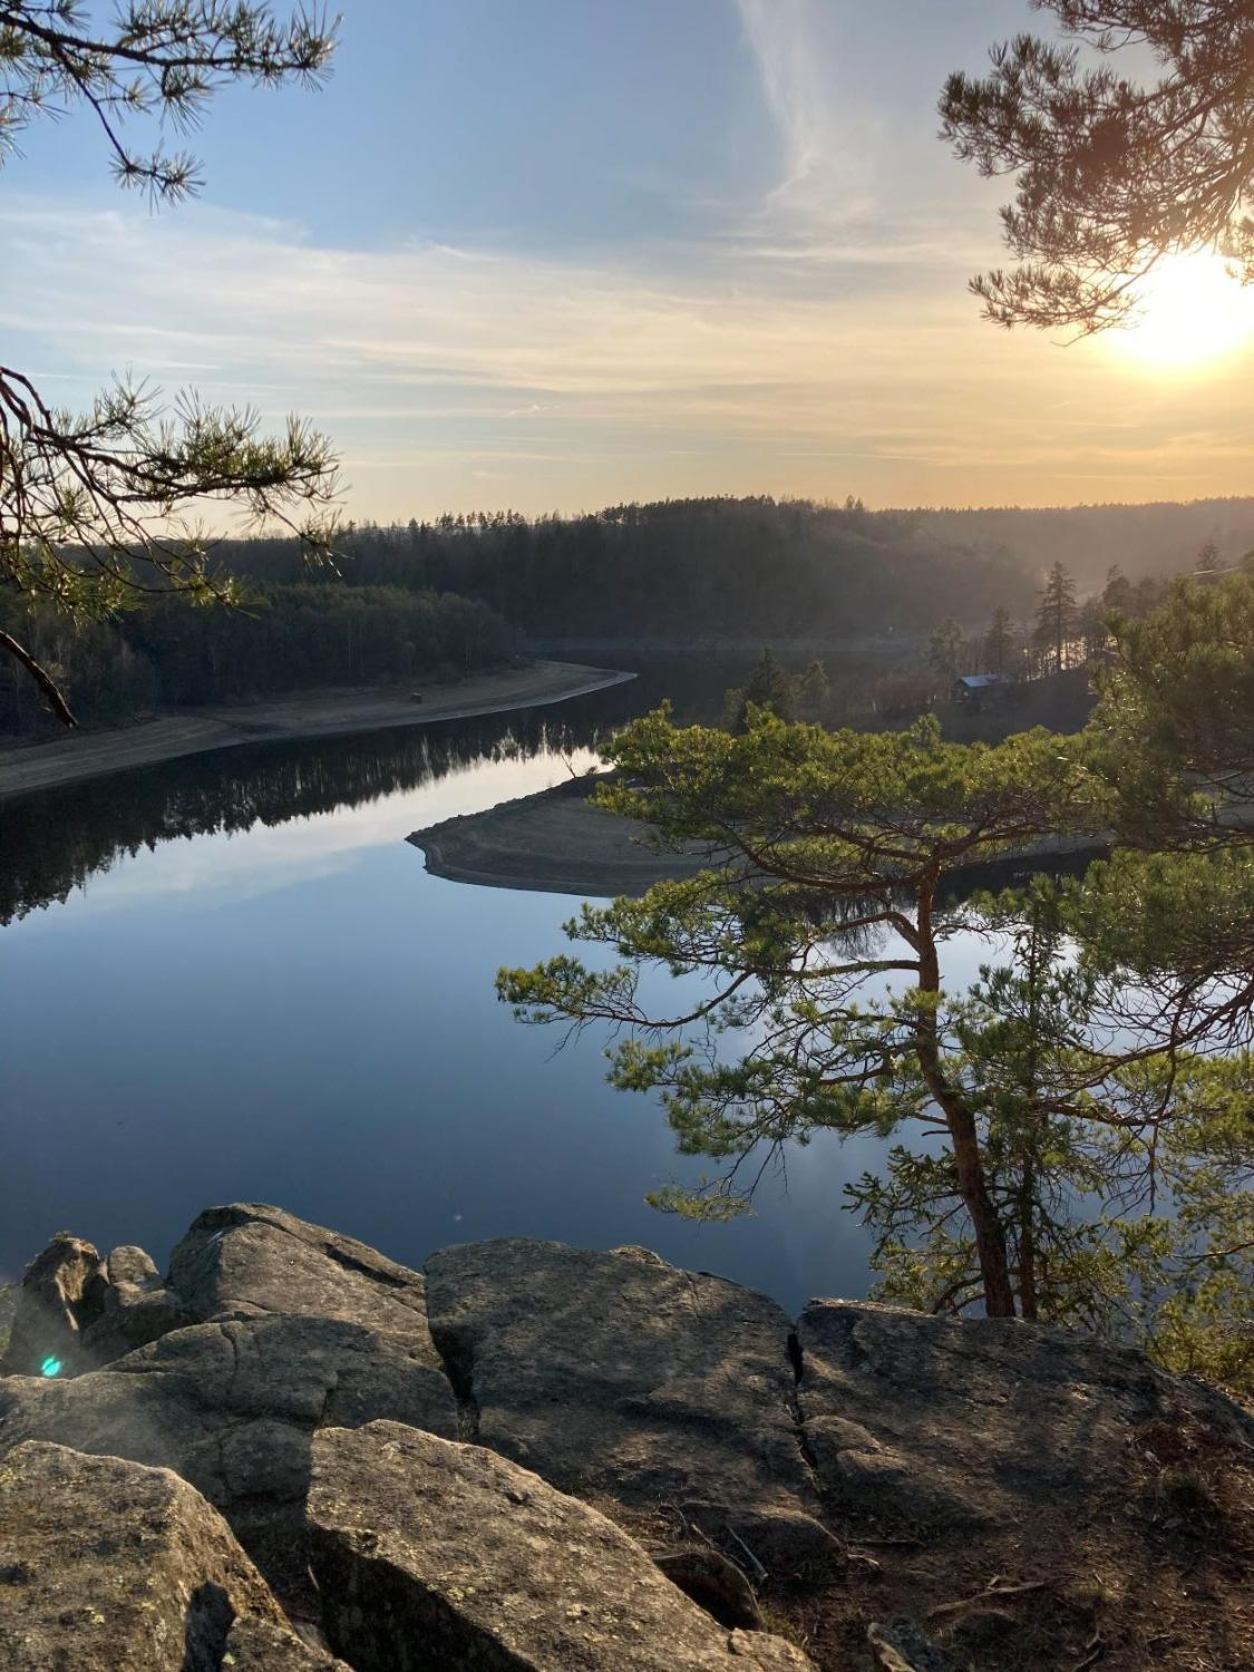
(229, 977)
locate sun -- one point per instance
(1190, 310)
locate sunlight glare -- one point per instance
(1192, 310)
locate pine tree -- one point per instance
(999, 644)
(947, 649)
(93, 505)
(1111, 174)
(1057, 617)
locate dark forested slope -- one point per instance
(720, 567)
(762, 567)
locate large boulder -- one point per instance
(231, 1407)
(62, 1294)
(431, 1555)
(1032, 1493)
(974, 1424)
(106, 1566)
(632, 1383)
(249, 1260)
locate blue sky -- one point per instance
(556, 253)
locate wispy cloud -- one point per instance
(572, 383)
(826, 147)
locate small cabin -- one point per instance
(974, 689)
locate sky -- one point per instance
(567, 253)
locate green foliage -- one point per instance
(1178, 702)
(1072, 1128)
(281, 639)
(99, 507)
(788, 696)
(769, 687)
(820, 843)
(778, 569)
(1111, 174)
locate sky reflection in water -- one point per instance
(295, 1012)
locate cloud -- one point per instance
(578, 382)
(828, 149)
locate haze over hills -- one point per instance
(760, 566)
(1158, 538)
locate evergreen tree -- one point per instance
(92, 505)
(814, 691)
(1112, 174)
(947, 649)
(999, 644)
(1057, 617)
(769, 687)
(1118, 596)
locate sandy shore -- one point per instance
(95, 754)
(555, 842)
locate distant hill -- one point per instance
(1155, 539)
(760, 567)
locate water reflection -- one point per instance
(53, 842)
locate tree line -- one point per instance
(718, 567)
(168, 652)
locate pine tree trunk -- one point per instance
(989, 1232)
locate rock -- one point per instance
(771, 1542)
(434, 1554)
(254, 1645)
(620, 1379)
(636, 1251)
(129, 1264)
(902, 1646)
(62, 1293)
(976, 1425)
(714, 1583)
(132, 1317)
(248, 1260)
(106, 1566)
(231, 1407)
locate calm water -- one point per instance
(231, 978)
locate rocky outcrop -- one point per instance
(908, 1492)
(484, 1566)
(624, 1379)
(920, 1423)
(250, 1260)
(62, 1295)
(109, 1567)
(1026, 1456)
(232, 1407)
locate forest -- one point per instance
(169, 652)
(430, 599)
(761, 567)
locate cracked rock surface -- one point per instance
(624, 1378)
(232, 1406)
(479, 1564)
(106, 1566)
(890, 1486)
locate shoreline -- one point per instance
(27, 769)
(556, 842)
(552, 842)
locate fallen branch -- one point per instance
(994, 1591)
